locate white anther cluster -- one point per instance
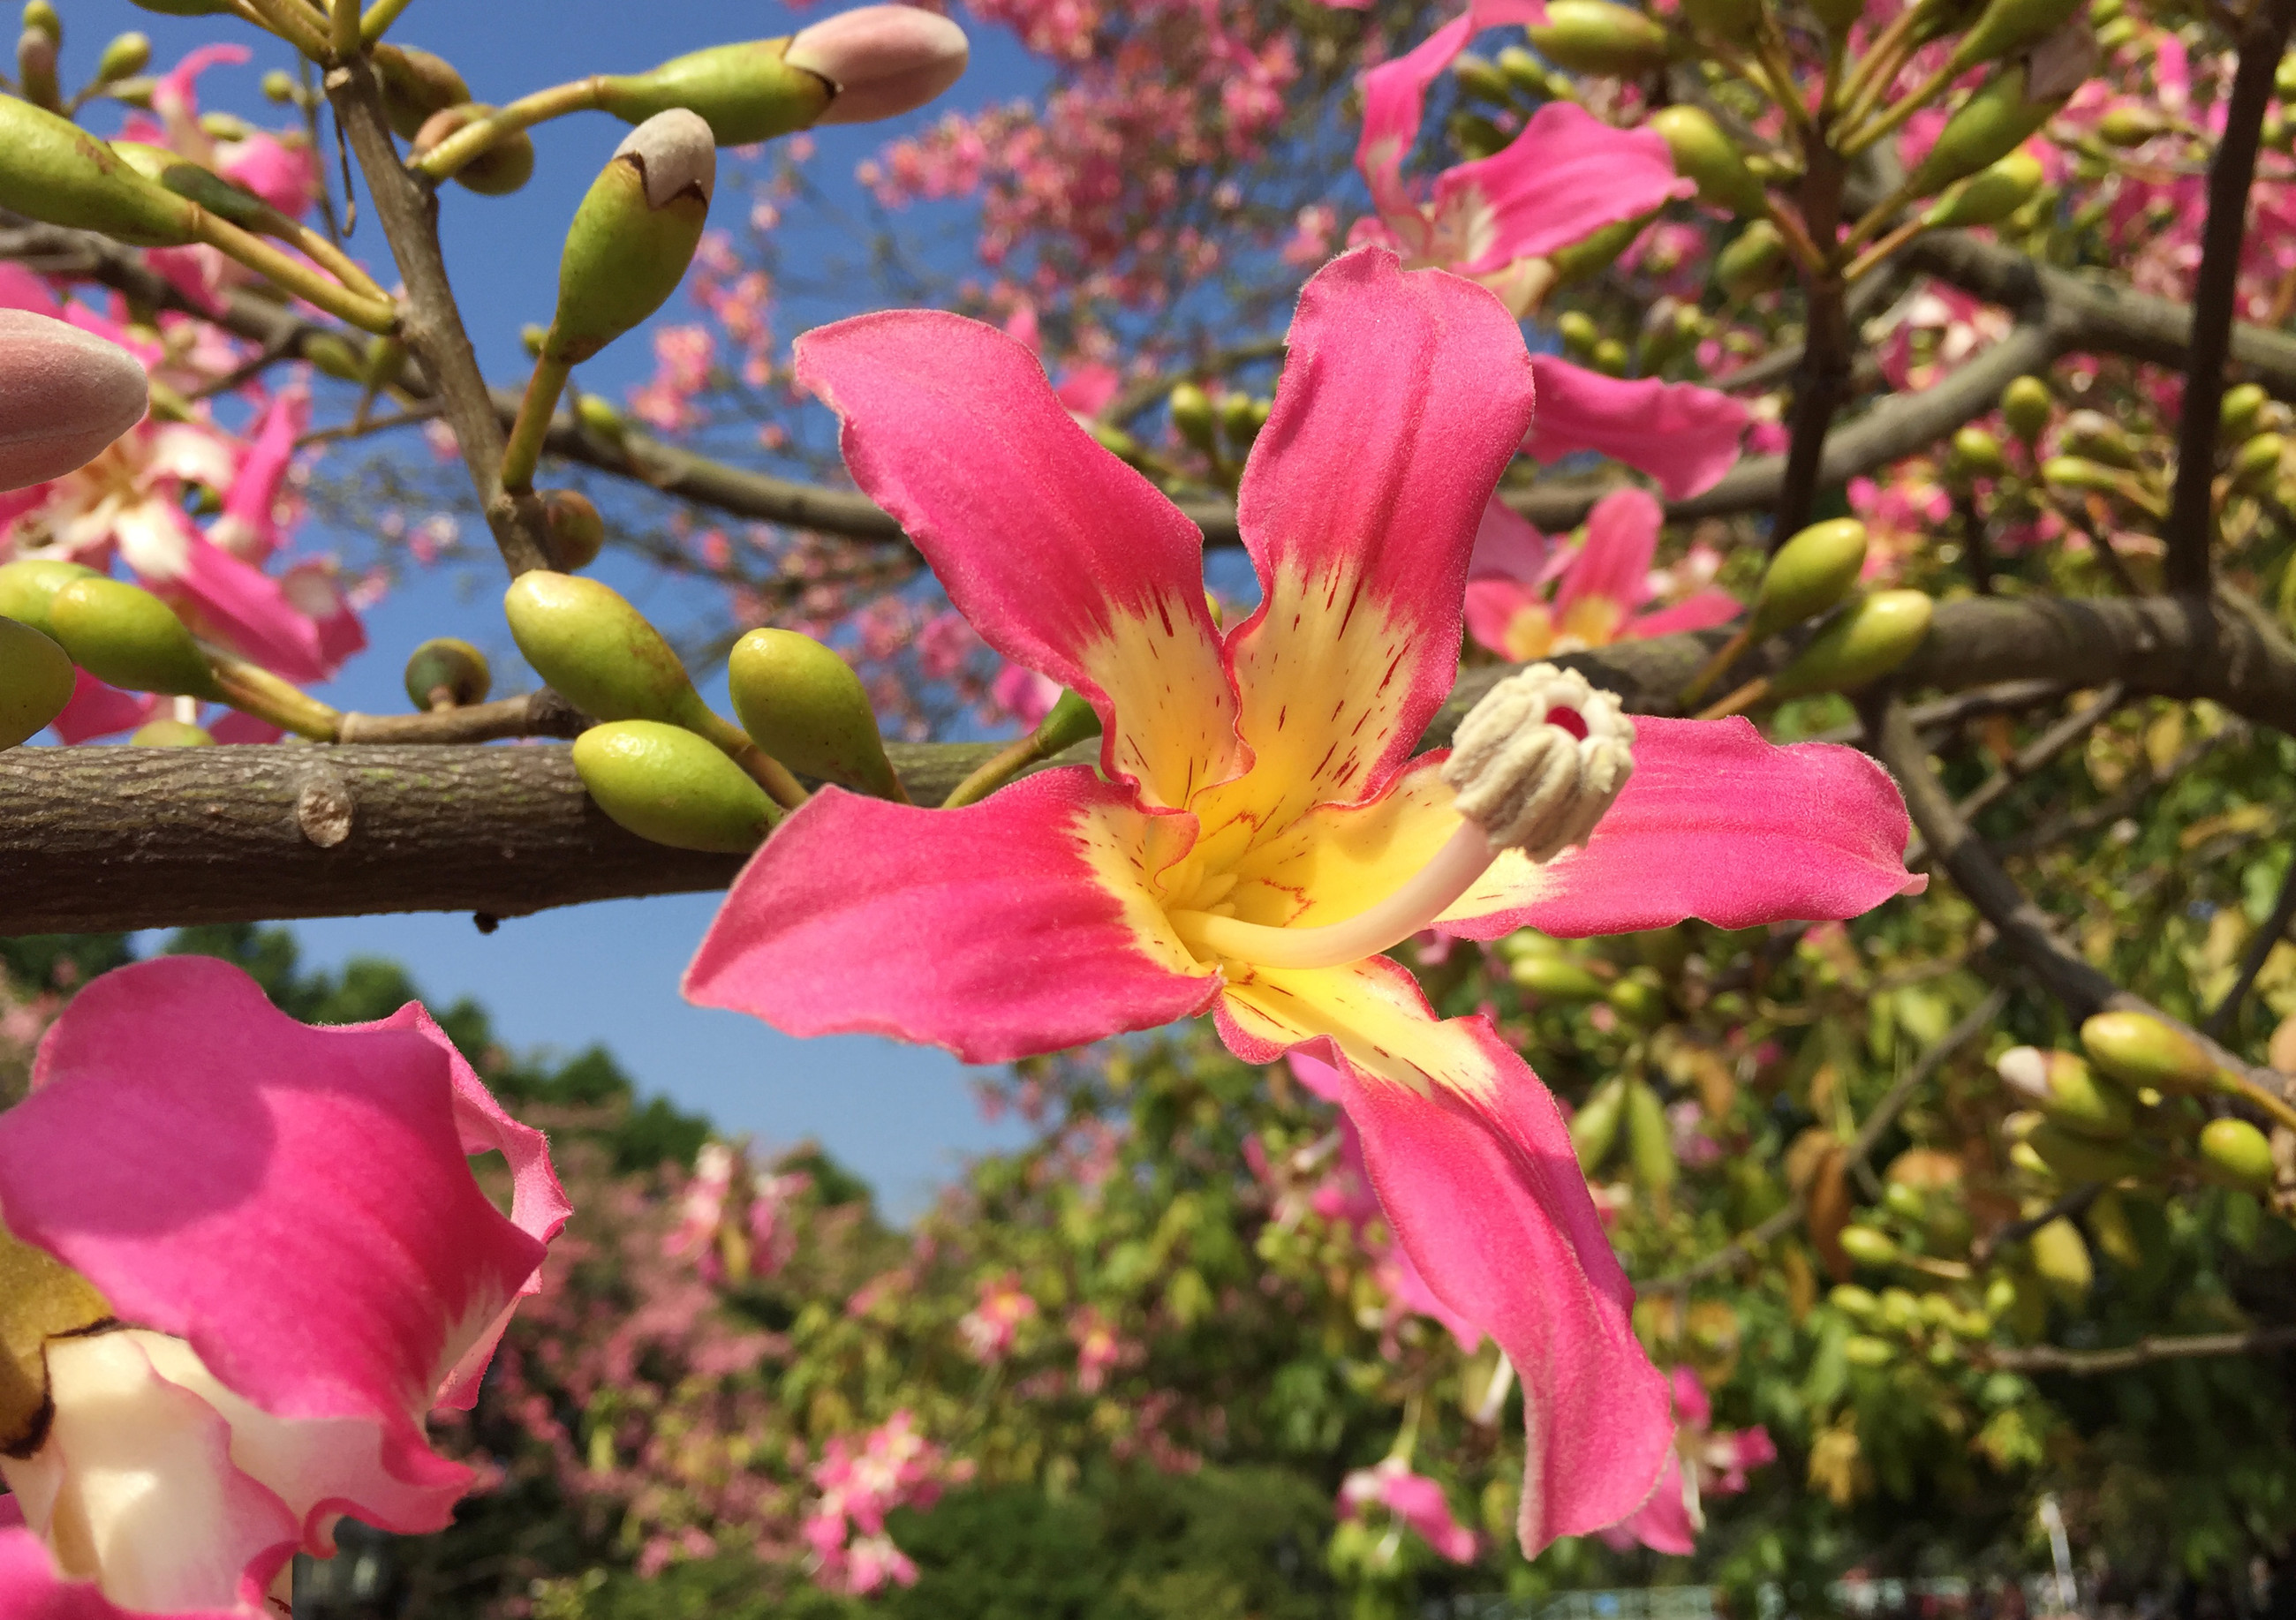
(1531, 783)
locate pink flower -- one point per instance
(1704, 1463)
(1684, 436)
(1024, 694)
(1257, 786)
(1415, 1499)
(990, 1327)
(1527, 602)
(1566, 175)
(896, 1466)
(1099, 1348)
(294, 1264)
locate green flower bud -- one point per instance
(1990, 195)
(35, 70)
(502, 168)
(2061, 1259)
(1593, 254)
(1731, 20)
(36, 682)
(448, 672)
(1579, 332)
(52, 169)
(599, 651)
(2010, 25)
(1863, 642)
(171, 734)
(122, 633)
(1868, 1247)
(1810, 574)
(670, 787)
(1242, 417)
(634, 234)
(596, 413)
(1595, 37)
(1638, 998)
(1907, 1203)
(185, 179)
(2283, 77)
(578, 532)
(2075, 1157)
(1650, 1143)
(1191, 415)
(2132, 126)
(1555, 978)
(1977, 455)
(1595, 1127)
(2256, 463)
(1754, 261)
(2025, 405)
(127, 55)
(1704, 154)
(2006, 109)
(1475, 136)
(746, 93)
(40, 18)
(1856, 1303)
(1526, 72)
(415, 85)
(28, 585)
(279, 85)
(1863, 1350)
(1479, 78)
(803, 704)
(2114, 34)
(1610, 358)
(2069, 1091)
(2138, 1051)
(2243, 408)
(2233, 1151)
(2093, 434)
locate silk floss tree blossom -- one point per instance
(1706, 1461)
(1528, 599)
(1259, 832)
(243, 1258)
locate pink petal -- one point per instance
(1564, 177)
(32, 1589)
(237, 728)
(1491, 607)
(98, 710)
(1692, 1409)
(1419, 1502)
(1087, 388)
(199, 271)
(1684, 436)
(1403, 398)
(248, 528)
(1614, 563)
(20, 289)
(1719, 824)
(1702, 611)
(1663, 1524)
(1064, 559)
(1016, 926)
(292, 1202)
(1508, 546)
(1395, 95)
(1476, 1173)
(286, 177)
(246, 609)
(1752, 1448)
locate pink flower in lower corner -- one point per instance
(1706, 1463)
(249, 1256)
(1526, 600)
(1415, 1501)
(1259, 784)
(1564, 176)
(895, 1466)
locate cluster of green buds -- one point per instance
(1629, 1109)
(662, 764)
(1222, 429)
(39, 50)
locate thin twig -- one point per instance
(2145, 1351)
(2035, 755)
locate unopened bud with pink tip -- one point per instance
(884, 60)
(64, 395)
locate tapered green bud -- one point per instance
(1856, 1303)
(597, 413)
(1705, 155)
(28, 585)
(36, 682)
(1555, 978)
(1595, 1127)
(670, 787)
(1069, 722)
(1481, 79)
(2242, 409)
(1638, 998)
(2020, 97)
(1579, 332)
(1977, 455)
(1732, 20)
(634, 234)
(2138, 1050)
(1242, 417)
(2256, 463)
(2010, 25)
(2069, 1091)
(577, 531)
(185, 179)
(1863, 642)
(1868, 1247)
(415, 84)
(1754, 261)
(2233, 1151)
(1595, 37)
(2283, 77)
(1610, 358)
(52, 169)
(2074, 1156)
(35, 70)
(279, 85)
(40, 17)
(1811, 573)
(1596, 252)
(883, 59)
(1191, 415)
(2079, 472)
(599, 651)
(126, 55)
(122, 633)
(2061, 1259)
(1650, 1142)
(2130, 124)
(803, 704)
(171, 734)
(1525, 72)
(746, 93)
(1864, 1350)
(1990, 195)
(1475, 136)
(446, 672)
(2025, 406)
(2112, 36)
(504, 167)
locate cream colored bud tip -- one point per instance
(884, 60)
(1539, 760)
(676, 152)
(64, 395)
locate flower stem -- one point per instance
(374, 314)
(441, 161)
(524, 448)
(257, 692)
(379, 18)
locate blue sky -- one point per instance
(900, 1116)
